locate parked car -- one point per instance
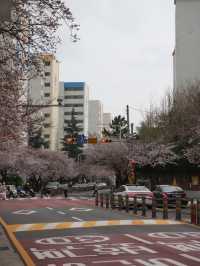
(171, 193)
(55, 187)
(11, 191)
(135, 191)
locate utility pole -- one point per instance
(128, 119)
(131, 128)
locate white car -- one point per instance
(134, 191)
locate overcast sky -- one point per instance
(124, 52)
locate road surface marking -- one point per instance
(81, 209)
(190, 257)
(49, 208)
(24, 212)
(139, 239)
(78, 219)
(22, 252)
(86, 224)
(60, 212)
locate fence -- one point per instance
(153, 208)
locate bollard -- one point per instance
(193, 212)
(112, 201)
(107, 201)
(101, 200)
(165, 207)
(135, 205)
(178, 208)
(97, 199)
(143, 206)
(198, 212)
(153, 207)
(127, 203)
(119, 202)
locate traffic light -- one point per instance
(105, 140)
(70, 140)
(92, 140)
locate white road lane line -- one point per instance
(139, 239)
(60, 212)
(78, 219)
(49, 208)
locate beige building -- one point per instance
(107, 119)
(95, 121)
(44, 90)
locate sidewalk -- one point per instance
(8, 256)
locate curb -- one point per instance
(87, 224)
(16, 244)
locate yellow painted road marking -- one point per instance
(63, 225)
(86, 224)
(114, 222)
(89, 224)
(22, 252)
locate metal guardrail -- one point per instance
(137, 204)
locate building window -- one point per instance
(47, 74)
(47, 63)
(47, 94)
(73, 105)
(46, 136)
(69, 120)
(76, 113)
(46, 115)
(46, 125)
(47, 84)
(74, 89)
(67, 129)
(74, 97)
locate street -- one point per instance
(60, 232)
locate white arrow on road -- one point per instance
(25, 212)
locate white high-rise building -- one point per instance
(75, 95)
(187, 52)
(44, 90)
(95, 125)
(107, 119)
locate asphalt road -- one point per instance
(59, 232)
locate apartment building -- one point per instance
(75, 95)
(107, 119)
(186, 57)
(44, 90)
(95, 121)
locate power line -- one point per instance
(139, 110)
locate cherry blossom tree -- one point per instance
(45, 165)
(111, 156)
(30, 28)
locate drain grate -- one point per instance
(4, 248)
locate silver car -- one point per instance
(134, 191)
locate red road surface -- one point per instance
(40, 203)
(158, 249)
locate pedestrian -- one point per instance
(66, 191)
(2, 192)
(95, 189)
